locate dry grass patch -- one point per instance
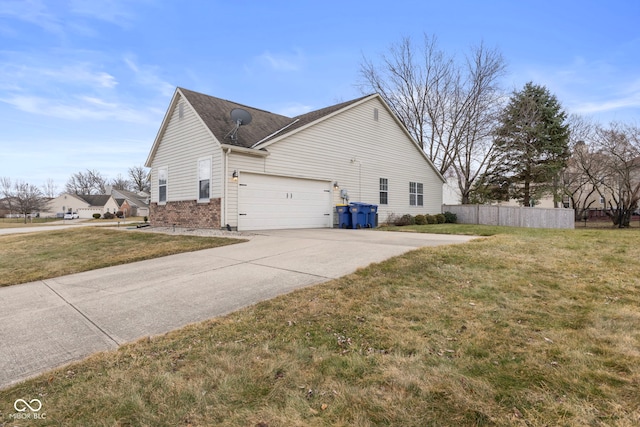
(30, 222)
(29, 257)
(535, 328)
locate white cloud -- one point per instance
(46, 71)
(589, 86)
(82, 86)
(294, 109)
(612, 104)
(79, 108)
(283, 62)
(32, 11)
(148, 76)
(79, 74)
(112, 11)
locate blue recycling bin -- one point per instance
(373, 214)
(360, 214)
(344, 216)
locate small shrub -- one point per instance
(392, 219)
(108, 215)
(119, 214)
(431, 219)
(405, 220)
(146, 219)
(96, 216)
(450, 217)
(440, 218)
(420, 220)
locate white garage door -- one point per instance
(267, 202)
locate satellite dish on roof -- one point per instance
(240, 117)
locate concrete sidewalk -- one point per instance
(46, 324)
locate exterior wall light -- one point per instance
(335, 185)
(235, 175)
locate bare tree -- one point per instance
(7, 193)
(22, 198)
(449, 109)
(580, 178)
(140, 178)
(89, 182)
(480, 108)
(619, 183)
(50, 189)
(120, 183)
(576, 182)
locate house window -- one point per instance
(384, 191)
(375, 114)
(416, 195)
(601, 200)
(204, 179)
(162, 185)
(180, 110)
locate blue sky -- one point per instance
(84, 84)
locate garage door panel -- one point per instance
(272, 202)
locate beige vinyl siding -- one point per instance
(381, 149)
(184, 141)
(240, 162)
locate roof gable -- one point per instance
(136, 199)
(266, 128)
(216, 115)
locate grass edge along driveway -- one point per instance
(43, 255)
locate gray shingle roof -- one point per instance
(215, 113)
(133, 198)
(94, 200)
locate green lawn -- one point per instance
(522, 328)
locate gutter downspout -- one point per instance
(225, 183)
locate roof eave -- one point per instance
(406, 131)
(243, 150)
(163, 127)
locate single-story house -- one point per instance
(216, 163)
(132, 203)
(85, 205)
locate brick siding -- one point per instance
(187, 213)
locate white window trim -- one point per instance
(386, 190)
(418, 196)
(199, 178)
(166, 185)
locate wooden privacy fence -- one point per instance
(513, 216)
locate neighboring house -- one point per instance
(132, 203)
(544, 202)
(281, 172)
(84, 205)
(451, 194)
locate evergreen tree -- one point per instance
(531, 144)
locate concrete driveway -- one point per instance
(46, 324)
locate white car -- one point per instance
(71, 215)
